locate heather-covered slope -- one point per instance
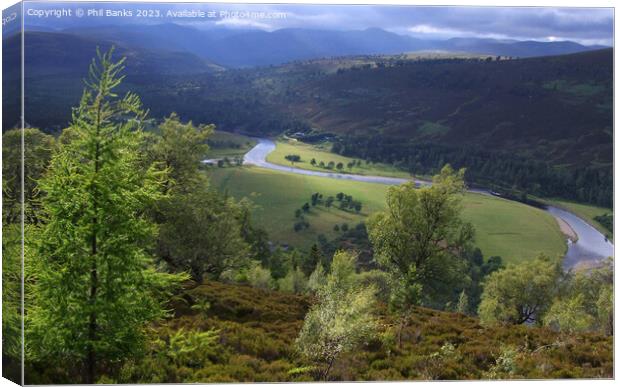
(257, 330)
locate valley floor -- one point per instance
(509, 229)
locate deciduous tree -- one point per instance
(342, 319)
(202, 233)
(420, 237)
(520, 293)
(181, 147)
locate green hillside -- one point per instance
(146, 264)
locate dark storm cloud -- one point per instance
(584, 25)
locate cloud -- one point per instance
(584, 25)
(244, 24)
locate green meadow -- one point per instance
(322, 152)
(509, 229)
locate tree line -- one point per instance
(496, 170)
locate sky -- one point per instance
(584, 25)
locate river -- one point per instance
(591, 246)
(258, 156)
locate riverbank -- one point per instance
(567, 230)
(587, 212)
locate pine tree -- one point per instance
(96, 286)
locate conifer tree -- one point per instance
(96, 286)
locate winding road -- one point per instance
(590, 248)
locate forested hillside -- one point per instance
(555, 109)
(535, 126)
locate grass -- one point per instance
(226, 144)
(322, 152)
(509, 229)
(586, 212)
(512, 230)
(278, 195)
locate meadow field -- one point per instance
(322, 152)
(509, 229)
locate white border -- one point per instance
(489, 3)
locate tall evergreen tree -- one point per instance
(96, 286)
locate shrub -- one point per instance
(259, 277)
(342, 320)
(379, 280)
(294, 282)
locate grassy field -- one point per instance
(509, 229)
(226, 144)
(322, 152)
(585, 211)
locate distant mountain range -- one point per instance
(248, 48)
